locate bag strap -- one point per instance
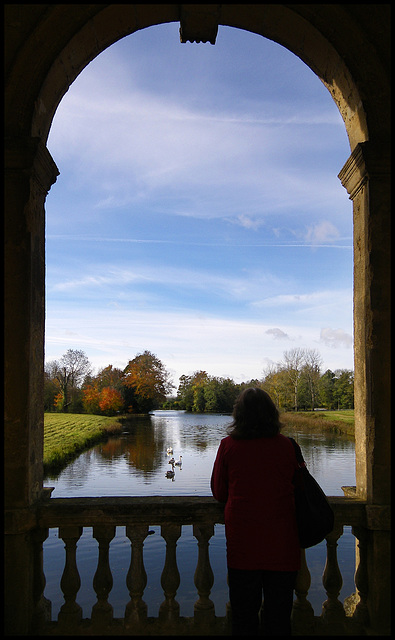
(298, 453)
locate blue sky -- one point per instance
(198, 213)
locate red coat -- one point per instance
(254, 478)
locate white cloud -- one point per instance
(336, 338)
(278, 334)
(321, 232)
(247, 221)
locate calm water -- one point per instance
(135, 464)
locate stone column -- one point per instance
(29, 173)
(366, 178)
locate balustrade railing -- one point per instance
(71, 515)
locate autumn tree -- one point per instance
(103, 393)
(278, 385)
(110, 377)
(147, 377)
(91, 399)
(110, 401)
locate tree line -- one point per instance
(295, 383)
(70, 386)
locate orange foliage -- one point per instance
(110, 400)
(91, 397)
(148, 377)
(58, 400)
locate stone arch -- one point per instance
(47, 46)
(290, 28)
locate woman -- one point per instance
(252, 474)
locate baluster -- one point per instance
(361, 613)
(332, 609)
(102, 611)
(302, 611)
(136, 580)
(204, 612)
(42, 606)
(169, 610)
(70, 613)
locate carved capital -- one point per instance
(353, 176)
(32, 158)
(367, 161)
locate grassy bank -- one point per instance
(337, 421)
(67, 434)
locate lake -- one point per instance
(135, 464)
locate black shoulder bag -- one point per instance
(314, 515)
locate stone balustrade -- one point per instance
(71, 515)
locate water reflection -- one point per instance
(135, 463)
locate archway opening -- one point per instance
(201, 214)
(47, 52)
(199, 194)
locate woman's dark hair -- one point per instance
(254, 416)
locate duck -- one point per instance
(179, 462)
(171, 461)
(169, 450)
(170, 474)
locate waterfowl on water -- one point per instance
(179, 462)
(170, 474)
(171, 461)
(169, 450)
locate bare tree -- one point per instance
(69, 372)
(77, 366)
(312, 371)
(294, 360)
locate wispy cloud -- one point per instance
(292, 300)
(254, 225)
(129, 146)
(114, 279)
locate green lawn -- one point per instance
(341, 421)
(67, 434)
(345, 415)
